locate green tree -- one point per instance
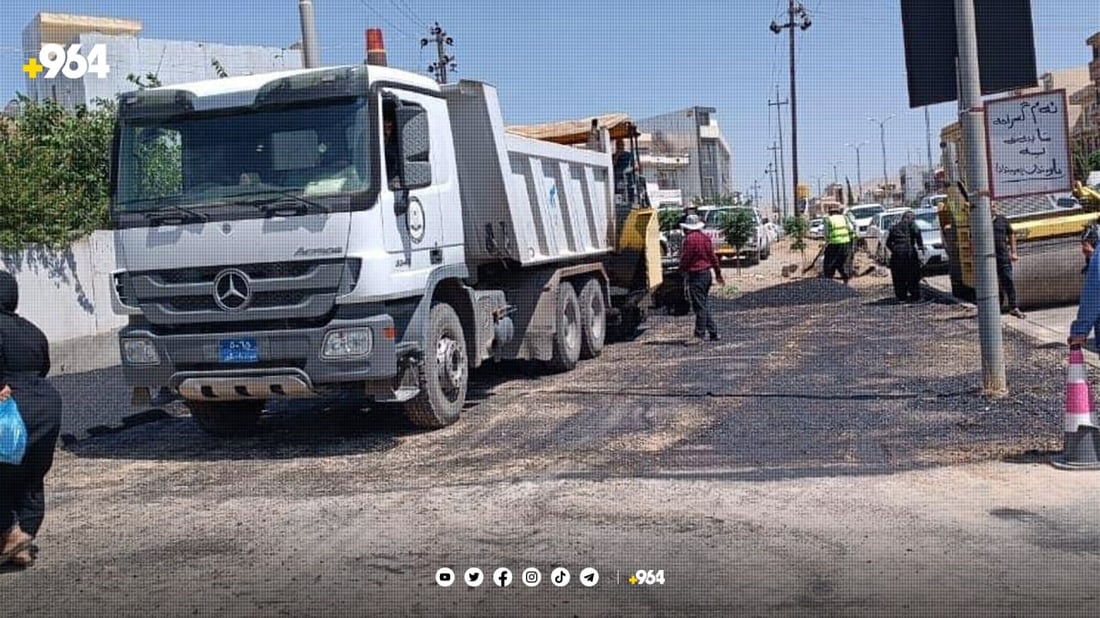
(1085, 162)
(669, 218)
(797, 228)
(738, 226)
(54, 173)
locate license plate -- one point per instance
(239, 351)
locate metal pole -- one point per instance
(971, 118)
(779, 185)
(859, 168)
(928, 139)
(311, 52)
(794, 112)
(882, 139)
(782, 159)
(836, 181)
(772, 181)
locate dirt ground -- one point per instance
(831, 455)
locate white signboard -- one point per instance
(1028, 143)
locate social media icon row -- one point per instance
(531, 577)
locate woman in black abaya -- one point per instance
(24, 363)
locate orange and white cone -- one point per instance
(1082, 443)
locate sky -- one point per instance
(553, 60)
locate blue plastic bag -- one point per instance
(13, 433)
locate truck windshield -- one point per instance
(206, 158)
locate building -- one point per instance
(1085, 133)
(173, 62)
(689, 153)
(914, 183)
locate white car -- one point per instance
(759, 246)
(878, 229)
(861, 216)
(928, 223)
(934, 252)
(817, 228)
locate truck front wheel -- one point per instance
(593, 318)
(568, 331)
(226, 418)
(444, 373)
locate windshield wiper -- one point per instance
(274, 205)
(159, 215)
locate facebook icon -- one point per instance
(502, 578)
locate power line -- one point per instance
(383, 18)
(407, 11)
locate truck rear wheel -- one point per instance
(226, 418)
(444, 374)
(568, 332)
(593, 318)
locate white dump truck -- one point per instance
(357, 231)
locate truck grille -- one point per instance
(277, 290)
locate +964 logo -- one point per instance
(70, 62)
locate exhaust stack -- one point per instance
(376, 47)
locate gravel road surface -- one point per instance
(831, 455)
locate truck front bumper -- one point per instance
(289, 362)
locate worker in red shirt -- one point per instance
(697, 259)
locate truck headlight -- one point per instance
(140, 352)
(347, 343)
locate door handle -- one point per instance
(436, 256)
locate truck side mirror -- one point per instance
(414, 146)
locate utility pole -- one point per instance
(775, 166)
(442, 41)
(882, 138)
(772, 181)
(836, 180)
(782, 159)
(972, 121)
(794, 10)
(859, 173)
(819, 177)
(756, 193)
(311, 52)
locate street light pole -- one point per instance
(836, 180)
(882, 138)
(859, 172)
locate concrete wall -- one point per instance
(66, 292)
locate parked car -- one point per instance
(932, 201)
(861, 217)
(934, 255)
(878, 229)
(817, 228)
(759, 246)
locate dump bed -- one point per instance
(525, 200)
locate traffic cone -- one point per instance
(1080, 450)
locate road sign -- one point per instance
(1006, 48)
(1028, 142)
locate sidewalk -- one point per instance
(1049, 327)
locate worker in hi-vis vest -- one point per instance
(839, 236)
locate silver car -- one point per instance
(934, 254)
(878, 229)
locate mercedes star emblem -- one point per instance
(231, 290)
